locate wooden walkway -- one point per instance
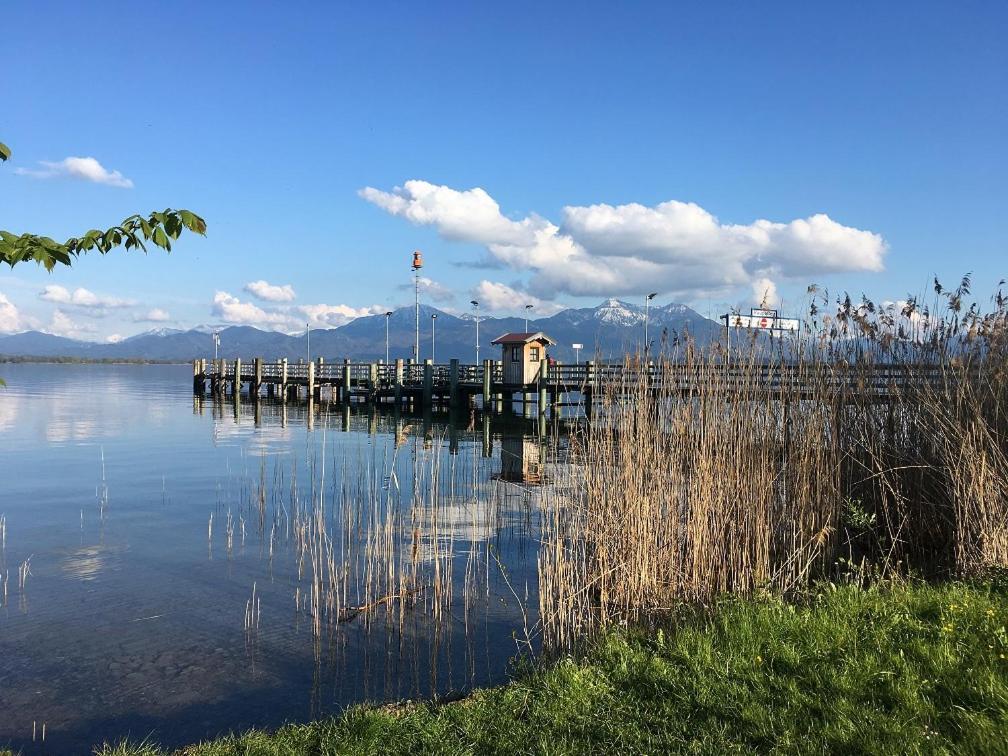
(424, 385)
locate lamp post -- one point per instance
(475, 305)
(417, 264)
(527, 308)
(433, 320)
(216, 343)
(647, 303)
(387, 316)
(308, 342)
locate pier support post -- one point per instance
(487, 376)
(283, 379)
(197, 379)
(219, 384)
(428, 383)
(398, 380)
(453, 382)
(373, 380)
(311, 383)
(346, 381)
(236, 383)
(543, 386)
(257, 380)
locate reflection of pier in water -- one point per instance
(522, 436)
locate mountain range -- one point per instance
(610, 329)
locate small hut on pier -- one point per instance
(522, 355)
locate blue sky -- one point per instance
(548, 153)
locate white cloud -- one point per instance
(230, 309)
(501, 298)
(270, 292)
(765, 293)
(63, 325)
(677, 247)
(10, 317)
(156, 315)
(82, 298)
(85, 168)
(431, 289)
(333, 316)
(113, 338)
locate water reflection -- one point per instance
(393, 555)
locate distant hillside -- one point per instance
(611, 329)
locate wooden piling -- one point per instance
(543, 386)
(453, 382)
(283, 379)
(311, 381)
(487, 376)
(258, 379)
(346, 381)
(236, 382)
(428, 383)
(398, 380)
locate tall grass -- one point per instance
(877, 441)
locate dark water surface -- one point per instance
(132, 621)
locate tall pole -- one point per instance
(433, 320)
(417, 264)
(387, 316)
(527, 308)
(308, 344)
(647, 304)
(216, 343)
(416, 348)
(475, 305)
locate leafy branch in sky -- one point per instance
(158, 228)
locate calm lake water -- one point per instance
(135, 617)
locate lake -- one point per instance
(177, 568)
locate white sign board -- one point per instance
(758, 312)
(578, 346)
(764, 323)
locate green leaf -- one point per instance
(161, 238)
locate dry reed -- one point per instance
(878, 437)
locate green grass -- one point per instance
(893, 669)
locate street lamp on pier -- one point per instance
(647, 303)
(387, 316)
(475, 305)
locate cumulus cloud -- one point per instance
(85, 168)
(230, 309)
(333, 316)
(10, 317)
(63, 324)
(630, 249)
(501, 298)
(431, 289)
(156, 315)
(270, 292)
(82, 298)
(765, 293)
(113, 338)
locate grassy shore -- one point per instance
(906, 668)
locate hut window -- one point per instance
(515, 354)
(534, 354)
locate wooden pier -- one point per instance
(403, 382)
(419, 386)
